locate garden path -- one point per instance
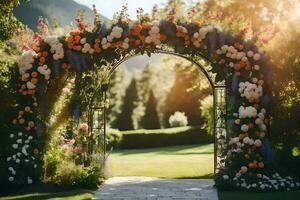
(144, 188)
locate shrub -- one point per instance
(178, 119)
(113, 138)
(207, 113)
(164, 137)
(70, 175)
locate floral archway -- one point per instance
(247, 156)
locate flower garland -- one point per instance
(70, 52)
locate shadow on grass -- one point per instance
(171, 150)
(42, 191)
(41, 196)
(205, 176)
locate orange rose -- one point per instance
(97, 40)
(261, 165)
(70, 39)
(42, 60)
(21, 121)
(34, 74)
(45, 53)
(35, 151)
(27, 109)
(70, 45)
(163, 37)
(31, 124)
(237, 67)
(34, 81)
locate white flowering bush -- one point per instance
(178, 119)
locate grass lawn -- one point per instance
(79, 194)
(186, 161)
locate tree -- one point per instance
(144, 85)
(125, 121)
(116, 94)
(151, 120)
(8, 22)
(184, 96)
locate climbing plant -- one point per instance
(246, 162)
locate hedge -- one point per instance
(158, 137)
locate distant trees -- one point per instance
(151, 120)
(155, 93)
(125, 121)
(184, 96)
(116, 93)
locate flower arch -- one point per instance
(237, 62)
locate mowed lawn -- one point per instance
(186, 161)
(79, 194)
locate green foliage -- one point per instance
(113, 138)
(151, 120)
(207, 111)
(116, 93)
(125, 121)
(186, 92)
(8, 22)
(67, 174)
(164, 137)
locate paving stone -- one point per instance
(144, 188)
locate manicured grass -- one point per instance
(171, 131)
(186, 161)
(259, 196)
(80, 194)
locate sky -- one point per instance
(108, 7)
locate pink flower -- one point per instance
(72, 142)
(84, 127)
(66, 90)
(78, 150)
(65, 146)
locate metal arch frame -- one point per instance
(212, 83)
(214, 86)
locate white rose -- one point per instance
(225, 177)
(11, 178)
(29, 180)
(244, 128)
(15, 146)
(250, 54)
(238, 174)
(246, 140)
(83, 40)
(256, 67)
(256, 56)
(257, 143)
(244, 169)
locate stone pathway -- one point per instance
(144, 188)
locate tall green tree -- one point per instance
(144, 85)
(125, 121)
(8, 22)
(151, 120)
(116, 94)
